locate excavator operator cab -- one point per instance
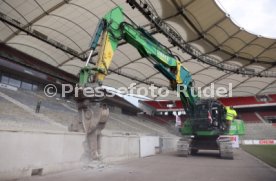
(209, 114)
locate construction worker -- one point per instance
(37, 109)
(231, 114)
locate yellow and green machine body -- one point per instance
(111, 29)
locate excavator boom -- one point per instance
(115, 30)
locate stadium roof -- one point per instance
(63, 31)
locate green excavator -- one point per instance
(205, 127)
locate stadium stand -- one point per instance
(249, 100)
(267, 113)
(50, 107)
(229, 101)
(249, 117)
(259, 131)
(161, 119)
(163, 105)
(239, 101)
(135, 125)
(210, 46)
(273, 97)
(64, 112)
(16, 117)
(250, 109)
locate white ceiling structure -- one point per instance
(201, 23)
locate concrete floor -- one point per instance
(168, 167)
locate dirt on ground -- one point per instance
(168, 167)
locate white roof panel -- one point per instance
(73, 22)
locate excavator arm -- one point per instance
(112, 29)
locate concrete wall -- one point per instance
(21, 152)
(149, 145)
(119, 147)
(168, 144)
(115, 147)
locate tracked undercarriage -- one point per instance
(206, 129)
(189, 146)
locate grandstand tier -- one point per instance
(127, 48)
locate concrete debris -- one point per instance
(95, 165)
